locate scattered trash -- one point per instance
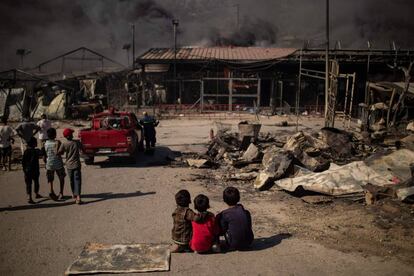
(408, 142)
(316, 199)
(250, 130)
(328, 162)
(252, 153)
(198, 163)
(374, 193)
(277, 164)
(244, 176)
(410, 126)
(308, 149)
(404, 193)
(339, 141)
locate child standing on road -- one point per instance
(73, 164)
(6, 141)
(54, 163)
(235, 222)
(205, 230)
(182, 217)
(44, 124)
(30, 164)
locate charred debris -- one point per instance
(316, 165)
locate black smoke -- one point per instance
(397, 25)
(52, 27)
(252, 32)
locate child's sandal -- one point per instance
(53, 196)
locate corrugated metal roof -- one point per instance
(217, 53)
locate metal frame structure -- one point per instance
(230, 95)
(334, 75)
(83, 50)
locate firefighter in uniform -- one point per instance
(148, 123)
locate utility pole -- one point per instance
(127, 47)
(327, 60)
(22, 53)
(237, 16)
(133, 45)
(175, 23)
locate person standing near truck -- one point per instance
(73, 164)
(149, 123)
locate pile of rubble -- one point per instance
(327, 162)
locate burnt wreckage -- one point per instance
(71, 85)
(373, 85)
(246, 78)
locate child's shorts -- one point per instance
(51, 174)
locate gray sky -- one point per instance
(52, 27)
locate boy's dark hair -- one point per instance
(32, 142)
(183, 198)
(231, 196)
(51, 133)
(201, 203)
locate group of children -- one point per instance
(52, 152)
(200, 231)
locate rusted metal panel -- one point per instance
(218, 53)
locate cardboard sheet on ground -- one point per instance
(101, 258)
(350, 178)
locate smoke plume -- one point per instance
(52, 27)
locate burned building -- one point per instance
(71, 85)
(240, 78)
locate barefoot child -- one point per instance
(30, 164)
(54, 163)
(205, 230)
(182, 217)
(235, 222)
(73, 164)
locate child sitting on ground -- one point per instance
(182, 217)
(205, 230)
(30, 164)
(235, 222)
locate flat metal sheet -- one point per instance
(350, 178)
(129, 258)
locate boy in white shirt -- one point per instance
(44, 124)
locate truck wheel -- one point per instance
(140, 146)
(132, 159)
(89, 160)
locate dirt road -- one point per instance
(132, 203)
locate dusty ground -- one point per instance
(132, 203)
